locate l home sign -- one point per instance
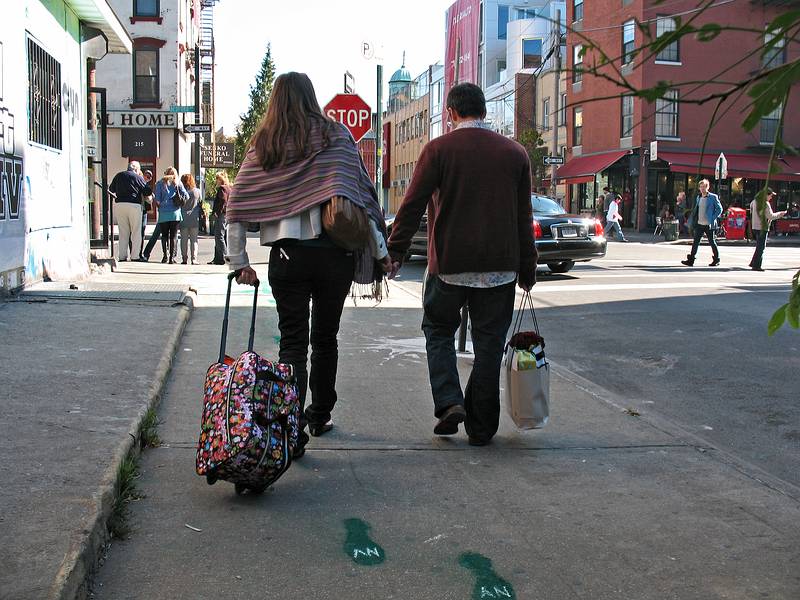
(126, 119)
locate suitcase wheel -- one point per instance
(241, 488)
(211, 479)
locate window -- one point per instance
(145, 8)
(577, 63)
(562, 119)
(775, 55)
(627, 116)
(628, 29)
(44, 97)
(769, 126)
(502, 22)
(145, 69)
(531, 53)
(525, 13)
(546, 113)
(577, 126)
(501, 69)
(667, 115)
(577, 10)
(665, 26)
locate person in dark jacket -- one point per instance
(127, 187)
(476, 186)
(220, 224)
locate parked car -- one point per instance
(561, 238)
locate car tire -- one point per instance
(561, 267)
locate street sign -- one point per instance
(197, 128)
(653, 150)
(554, 160)
(352, 112)
(721, 168)
(222, 158)
(181, 108)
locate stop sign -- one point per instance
(352, 112)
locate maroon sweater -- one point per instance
(476, 185)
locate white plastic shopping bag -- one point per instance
(527, 386)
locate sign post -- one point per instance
(352, 112)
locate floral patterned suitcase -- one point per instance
(250, 420)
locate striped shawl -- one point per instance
(335, 169)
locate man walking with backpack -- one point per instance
(476, 186)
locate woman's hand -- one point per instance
(247, 276)
(386, 264)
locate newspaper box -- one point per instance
(736, 223)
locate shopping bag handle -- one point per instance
(231, 277)
(527, 301)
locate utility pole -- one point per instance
(379, 141)
(556, 94)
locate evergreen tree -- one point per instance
(259, 98)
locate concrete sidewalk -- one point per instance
(80, 367)
(600, 504)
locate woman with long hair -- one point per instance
(169, 192)
(190, 222)
(298, 161)
(220, 220)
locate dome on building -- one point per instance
(401, 76)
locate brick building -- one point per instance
(610, 140)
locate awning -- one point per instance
(752, 166)
(582, 169)
(98, 14)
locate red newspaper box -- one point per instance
(735, 223)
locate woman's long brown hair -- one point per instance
(293, 109)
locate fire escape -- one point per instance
(206, 44)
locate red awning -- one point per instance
(752, 166)
(582, 169)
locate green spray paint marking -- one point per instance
(487, 583)
(358, 545)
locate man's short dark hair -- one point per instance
(467, 100)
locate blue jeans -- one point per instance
(699, 230)
(761, 244)
(490, 310)
(615, 229)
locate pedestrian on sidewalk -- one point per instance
(127, 187)
(680, 210)
(761, 228)
(613, 220)
(475, 185)
(190, 221)
(220, 219)
(298, 160)
(170, 195)
(704, 220)
(147, 203)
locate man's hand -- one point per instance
(527, 280)
(395, 270)
(246, 276)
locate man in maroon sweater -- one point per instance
(476, 186)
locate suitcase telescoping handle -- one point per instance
(231, 277)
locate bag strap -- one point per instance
(527, 301)
(224, 339)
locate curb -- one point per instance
(81, 560)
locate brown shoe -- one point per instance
(448, 423)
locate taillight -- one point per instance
(537, 229)
(598, 228)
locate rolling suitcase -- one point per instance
(251, 412)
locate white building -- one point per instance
(46, 52)
(437, 99)
(146, 88)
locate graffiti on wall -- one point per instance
(10, 163)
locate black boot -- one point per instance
(689, 262)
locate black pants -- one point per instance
(169, 236)
(699, 230)
(299, 274)
(220, 240)
(490, 310)
(154, 237)
(761, 244)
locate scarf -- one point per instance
(332, 169)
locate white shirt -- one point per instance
(613, 212)
(702, 211)
(755, 218)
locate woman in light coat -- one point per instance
(190, 223)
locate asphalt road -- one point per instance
(688, 344)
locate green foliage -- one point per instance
(534, 145)
(124, 493)
(259, 99)
(148, 430)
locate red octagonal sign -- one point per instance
(352, 112)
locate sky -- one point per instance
(322, 38)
